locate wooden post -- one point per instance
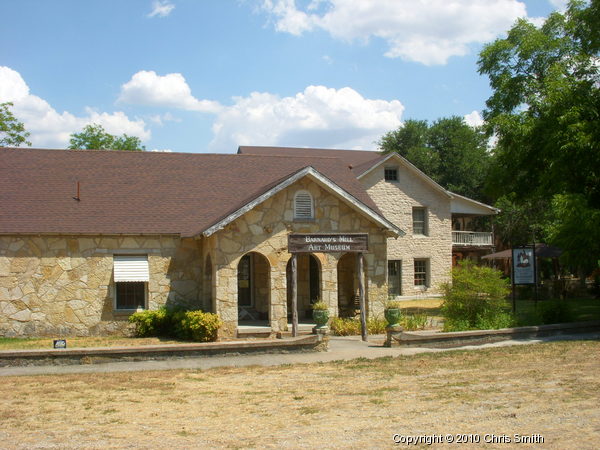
(361, 296)
(294, 295)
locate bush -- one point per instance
(188, 325)
(476, 299)
(351, 326)
(151, 323)
(548, 312)
(412, 322)
(197, 326)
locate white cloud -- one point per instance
(425, 31)
(161, 150)
(318, 117)
(161, 119)
(48, 127)
(170, 90)
(161, 8)
(474, 119)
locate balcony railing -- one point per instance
(472, 238)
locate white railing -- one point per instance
(472, 238)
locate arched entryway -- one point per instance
(254, 288)
(309, 285)
(348, 300)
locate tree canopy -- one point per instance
(451, 152)
(544, 111)
(94, 137)
(545, 105)
(12, 131)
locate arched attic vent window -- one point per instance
(303, 205)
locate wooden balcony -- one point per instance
(472, 239)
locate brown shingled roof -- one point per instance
(141, 192)
(348, 157)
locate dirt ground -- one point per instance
(551, 390)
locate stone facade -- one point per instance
(264, 231)
(63, 285)
(396, 200)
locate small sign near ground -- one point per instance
(60, 343)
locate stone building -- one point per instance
(88, 237)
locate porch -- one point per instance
(472, 239)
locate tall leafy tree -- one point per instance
(545, 105)
(545, 111)
(94, 137)
(451, 152)
(12, 131)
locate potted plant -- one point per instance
(392, 313)
(320, 313)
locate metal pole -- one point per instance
(361, 296)
(512, 279)
(535, 275)
(294, 295)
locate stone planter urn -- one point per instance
(392, 315)
(320, 314)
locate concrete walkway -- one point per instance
(340, 348)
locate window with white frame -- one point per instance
(303, 206)
(390, 173)
(419, 216)
(422, 272)
(131, 275)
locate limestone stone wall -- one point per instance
(396, 200)
(63, 285)
(265, 229)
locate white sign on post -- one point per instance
(523, 262)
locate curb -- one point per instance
(460, 338)
(98, 355)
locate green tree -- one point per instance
(94, 137)
(545, 105)
(544, 111)
(12, 131)
(575, 227)
(463, 155)
(451, 152)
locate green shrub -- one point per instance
(351, 326)
(476, 299)
(151, 323)
(320, 306)
(188, 325)
(548, 312)
(412, 322)
(197, 326)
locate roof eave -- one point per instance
(412, 167)
(323, 181)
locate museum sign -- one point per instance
(328, 243)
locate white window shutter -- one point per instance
(131, 268)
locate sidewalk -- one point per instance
(340, 348)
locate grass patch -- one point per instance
(82, 342)
(547, 388)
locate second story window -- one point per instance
(303, 206)
(419, 221)
(391, 173)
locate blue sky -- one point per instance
(207, 76)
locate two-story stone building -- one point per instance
(88, 237)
